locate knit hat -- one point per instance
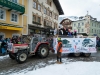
(59, 39)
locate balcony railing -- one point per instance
(36, 23)
(12, 6)
(48, 26)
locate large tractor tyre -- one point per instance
(76, 54)
(12, 56)
(86, 54)
(43, 51)
(21, 57)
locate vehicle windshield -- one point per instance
(26, 39)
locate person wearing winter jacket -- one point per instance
(63, 31)
(59, 51)
(75, 33)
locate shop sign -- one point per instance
(3, 27)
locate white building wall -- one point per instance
(76, 27)
(30, 2)
(89, 25)
(43, 3)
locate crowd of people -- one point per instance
(98, 42)
(67, 32)
(4, 43)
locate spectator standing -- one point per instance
(59, 51)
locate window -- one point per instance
(34, 5)
(74, 25)
(92, 24)
(44, 22)
(56, 17)
(39, 20)
(78, 30)
(98, 25)
(95, 25)
(50, 23)
(46, 1)
(2, 14)
(49, 2)
(39, 7)
(50, 14)
(55, 25)
(99, 31)
(78, 24)
(92, 30)
(88, 22)
(82, 30)
(47, 23)
(34, 18)
(82, 23)
(14, 17)
(45, 11)
(95, 31)
(15, 1)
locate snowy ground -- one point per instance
(47, 66)
(67, 68)
(72, 68)
(3, 57)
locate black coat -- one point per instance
(62, 31)
(3, 45)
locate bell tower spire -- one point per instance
(87, 12)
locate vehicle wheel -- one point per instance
(86, 54)
(43, 51)
(12, 56)
(76, 54)
(21, 57)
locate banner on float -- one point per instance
(75, 45)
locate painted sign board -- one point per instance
(76, 45)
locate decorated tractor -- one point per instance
(36, 46)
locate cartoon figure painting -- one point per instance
(88, 43)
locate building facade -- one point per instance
(43, 15)
(87, 25)
(13, 17)
(28, 17)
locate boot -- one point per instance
(60, 60)
(57, 60)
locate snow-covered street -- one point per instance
(68, 68)
(48, 66)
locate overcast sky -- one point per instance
(80, 7)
